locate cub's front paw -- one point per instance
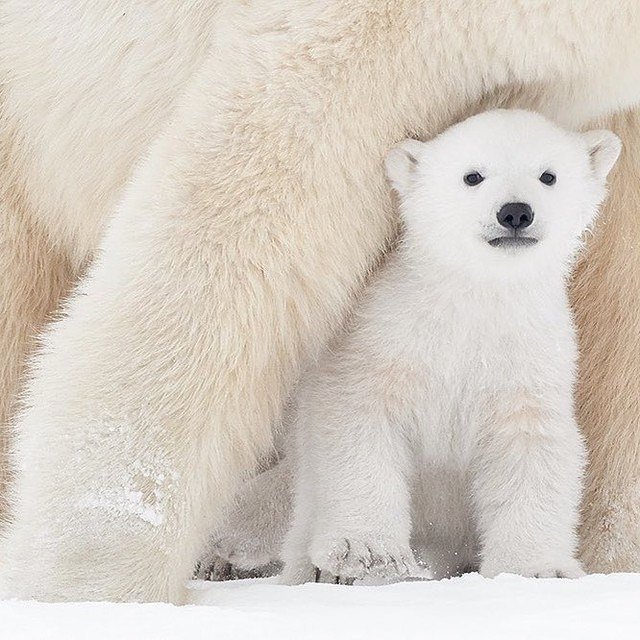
(352, 558)
(543, 569)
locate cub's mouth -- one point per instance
(513, 241)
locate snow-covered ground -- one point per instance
(470, 607)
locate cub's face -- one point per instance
(502, 190)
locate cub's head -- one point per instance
(506, 189)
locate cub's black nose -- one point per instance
(515, 215)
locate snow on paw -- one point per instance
(242, 550)
(354, 559)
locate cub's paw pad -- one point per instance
(217, 569)
(348, 559)
(566, 569)
(213, 568)
(569, 569)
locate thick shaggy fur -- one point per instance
(223, 162)
(606, 299)
(446, 413)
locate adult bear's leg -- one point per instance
(606, 296)
(77, 111)
(230, 259)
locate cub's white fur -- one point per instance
(453, 388)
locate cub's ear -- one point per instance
(604, 149)
(401, 163)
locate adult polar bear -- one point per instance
(250, 138)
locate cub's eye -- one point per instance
(547, 178)
(473, 179)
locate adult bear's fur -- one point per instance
(606, 297)
(240, 146)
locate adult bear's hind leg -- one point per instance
(253, 531)
(606, 297)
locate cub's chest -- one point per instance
(467, 359)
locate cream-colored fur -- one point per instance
(606, 298)
(227, 160)
(34, 275)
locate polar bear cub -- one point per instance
(442, 422)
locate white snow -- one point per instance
(129, 500)
(470, 607)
